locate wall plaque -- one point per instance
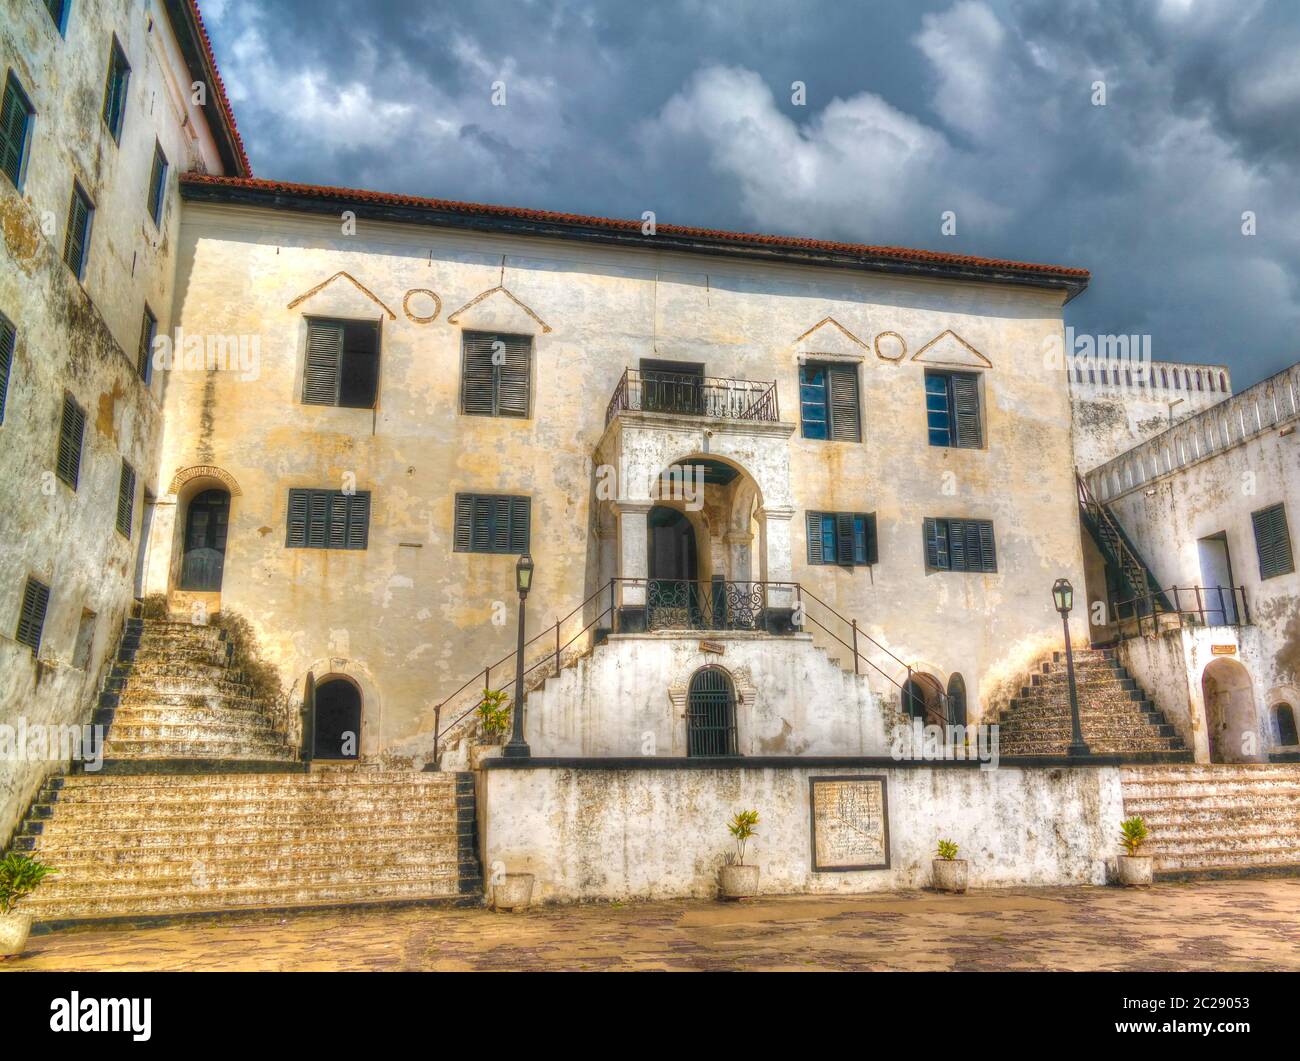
(1223, 650)
(715, 647)
(850, 823)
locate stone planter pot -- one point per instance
(13, 933)
(1135, 870)
(514, 892)
(737, 882)
(950, 874)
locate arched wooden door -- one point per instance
(336, 722)
(204, 557)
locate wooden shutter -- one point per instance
(125, 499)
(31, 618)
(477, 375)
(74, 240)
(339, 503)
(157, 177)
(871, 549)
(71, 430)
(936, 545)
(299, 501)
(814, 526)
(148, 327)
(520, 524)
(463, 537)
(514, 375)
(968, 431)
(320, 378)
(956, 532)
(842, 401)
(844, 539)
(988, 555)
(8, 340)
(13, 131)
(318, 519)
(359, 521)
(1272, 541)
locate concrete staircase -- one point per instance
(173, 695)
(1217, 820)
(146, 845)
(1115, 714)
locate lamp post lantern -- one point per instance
(517, 748)
(1063, 597)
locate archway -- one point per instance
(711, 713)
(203, 555)
(1284, 727)
(1229, 712)
(336, 719)
(674, 598)
(923, 698)
(957, 700)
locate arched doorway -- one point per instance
(674, 599)
(1229, 712)
(203, 556)
(336, 720)
(957, 700)
(711, 713)
(1284, 727)
(923, 698)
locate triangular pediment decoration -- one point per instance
(498, 290)
(949, 348)
(829, 336)
(355, 283)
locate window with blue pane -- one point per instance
(844, 538)
(952, 409)
(938, 409)
(813, 408)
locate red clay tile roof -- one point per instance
(219, 89)
(1072, 277)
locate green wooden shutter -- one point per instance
(478, 375)
(463, 536)
(320, 379)
(125, 499)
(1272, 541)
(318, 518)
(814, 527)
(872, 550)
(514, 375)
(359, 520)
(14, 114)
(8, 340)
(842, 399)
(966, 410)
(844, 539)
(75, 239)
(484, 511)
(520, 520)
(148, 328)
(71, 430)
(957, 541)
(936, 545)
(31, 618)
(337, 520)
(299, 502)
(157, 182)
(988, 555)
(119, 73)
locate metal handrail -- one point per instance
(684, 393)
(1143, 609)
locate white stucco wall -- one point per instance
(662, 833)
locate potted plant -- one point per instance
(737, 880)
(1134, 870)
(494, 715)
(20, 875)
(949, 870)
(512, 891)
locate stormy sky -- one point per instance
(913, 107)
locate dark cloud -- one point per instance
(982, 107)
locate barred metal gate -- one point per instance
(711, 714)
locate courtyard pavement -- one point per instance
(1213, 925)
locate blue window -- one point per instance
(157, 184)
(844, 538)
(812, 401)
(828, 402)
(119, 74)
(960, 545)
(15, 130)
(952, 409)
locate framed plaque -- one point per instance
(850, 822)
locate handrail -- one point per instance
(1234, 610)
(719, 397)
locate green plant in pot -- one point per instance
(735, 879)
(950, 872)
(1135, 869)
(20, 875)
(494, 715)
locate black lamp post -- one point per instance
(517, 748)
(1063, 595)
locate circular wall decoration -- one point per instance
(406, 305)
(893, 342)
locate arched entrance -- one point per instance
(1229, 712)
(674, 599)
(711, 713)
(957, 700)
(336, 720)
(923, 698)
(1284, 727)
(203, 555)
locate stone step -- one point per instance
(184, 818)
(216, 654)
(1269, 833)
(1184, 790)
(376, 889)
(1170, 814)
(252, 729)
(126, 748)
(135, 718)
(306, 832)
(1097, 747)
(361, 784)
(1222, 858)
(190, 694)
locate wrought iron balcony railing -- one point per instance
(686, 394)
(1190, 607)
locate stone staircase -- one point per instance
(173, 695)
(1217, 820)
(138, 846)
(1115, 714)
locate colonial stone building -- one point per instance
(783, 502)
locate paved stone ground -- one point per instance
(1213, 925)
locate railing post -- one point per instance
(437, 726)
(855, 646)
(1245, 608)
(557, 646)
(1200, 606)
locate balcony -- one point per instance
(689, 394)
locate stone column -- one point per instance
(779, 566)
(633, 563)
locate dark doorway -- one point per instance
(923, 699)
(957, 700)
(204, 556)
(337, 723)
(672, 387)
(674, 599)
(1284, 718)
(711, 714)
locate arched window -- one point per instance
(1164, 379)
(336, 720)
(711, 713)
(1284, 725)
(957, 700)
(1223, 383)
